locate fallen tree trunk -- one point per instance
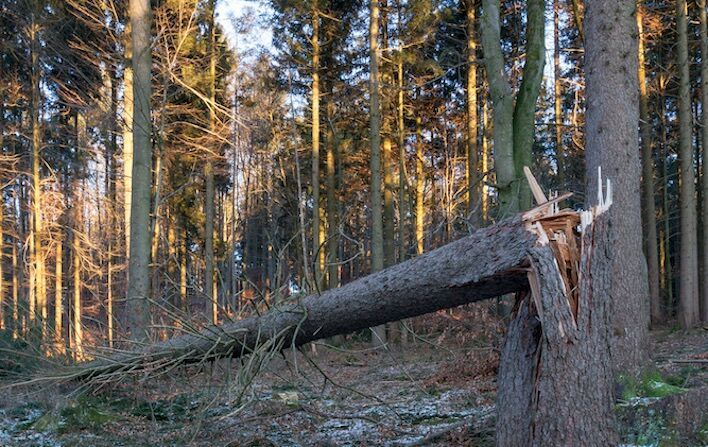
(555, 376)
(489, 263)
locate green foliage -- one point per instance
(649, 384)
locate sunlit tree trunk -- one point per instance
(402, 171)
(15, 293)
(139, 261)
(77, 344)
(38, 283)
(471, 103)
(59, 346)
(209, 176)
(111, 151)
(317, 240)
(128, 105)
(688, 289)
(557, 97)
(486, 165)
(419, 188)
(377, 242)
(183, 305)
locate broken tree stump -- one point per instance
(555, 377)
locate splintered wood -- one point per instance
(558, 229)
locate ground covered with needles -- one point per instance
(437, 390)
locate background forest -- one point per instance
(226, 174)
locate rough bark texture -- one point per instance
(471, 103)
(211, 308)
(555, 377)
(377, 242)
(612, 142)
(316, 239)
(127, 134)
(704, 143)
(483, 265)
(688, 260)
(651, 250)
(140, 235)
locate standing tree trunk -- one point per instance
(15, 293)
(612, 143)
(419, 188)
(688, 263)
(377, 242)
(139, 261)
(316, 238)
(111, 150)
(648, 205)
(59, 346)
(471, 102)
(503, 107)
(2, 255)
(212, 309)
(38, 285)
(128, 106)
(557, 98)
(402, 172)
(704, 144)
(77, 341)
(389, 237)
(513, 121)
(332, 202)
(526, 98)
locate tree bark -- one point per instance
(316, 218)
(38, 284)
(525, 107)
(513, 121)
(139, 262)
(648, 205)
(612, 142)
(689, 313)
(128, 105)
(486, 264)
(77, 337)
(212, 308)
(419, 189)
(704, 144)
(471, 103)
(502, 99)
(557, 98)
(555, 379)
(377, 242)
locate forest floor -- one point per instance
(435, 391)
